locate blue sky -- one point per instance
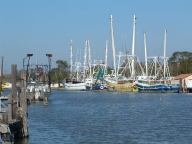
(47, 26)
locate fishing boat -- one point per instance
(117, 81)
(78, 86)
(37, 79)
(38, 89)
(99, 86)
(149, 85)
(74, 85)
(120, 84)
(157, 83)
(99, 83)
(157, 88)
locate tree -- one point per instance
(61, 72)
(180, 63)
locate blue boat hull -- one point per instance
(158, 88)
(99, 87)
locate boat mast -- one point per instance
(89, 59)
(165, 47)
(113, 44)
(119, 60)
(155, 59)
(145, 46)
(106, 53)
(71, 57)
(133, 48)
(85, 57)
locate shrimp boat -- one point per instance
(147, 85)
(156, 83)
(99, 72)
(74, 83)
(117, 81)
(120, 84)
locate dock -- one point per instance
(13, 118)
(29, 85)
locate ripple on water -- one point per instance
(91, 117)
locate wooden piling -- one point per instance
(17, 106)
(14, 90)
(1, 77)
(12, 98)
(23, 103)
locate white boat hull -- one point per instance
(75, 86)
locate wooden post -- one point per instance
(14, 90)
(1, 77)
(12, 99)
(23, 103)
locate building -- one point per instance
(185, 81)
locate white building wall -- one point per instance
(188, 82)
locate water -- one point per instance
(111, 118)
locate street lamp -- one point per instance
(49, 55)
(29, 55)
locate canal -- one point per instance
(112, 118)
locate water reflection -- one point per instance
(23, 141)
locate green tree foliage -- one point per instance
(180, 63)
(61, 72)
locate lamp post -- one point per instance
(49, 74)
(29, 57)
(24, 59)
